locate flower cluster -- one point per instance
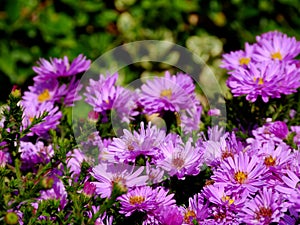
(267, 68)
(183, 171)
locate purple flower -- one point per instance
(168, 93)
(264, 208)
(170, 215)
(196, 210)
(266, 79)
(105, 95)
(276, 159)
(271, 131)
(276, 46)
(3, 158)
(103, 219)
(33, 154)
(46, 91)
(142, 199)
(240, 173)
(89, 189)
(240, 58)
(180, 159)
(49, 122)
(131, 145)
(121, 175)
(58, 192)
(101, 94)
(74, 161)
(60, 68)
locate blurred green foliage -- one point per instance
(31, 29)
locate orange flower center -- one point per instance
(134, 200)
(44, 96)
(270, 161)
(240, 177)
(189, 215)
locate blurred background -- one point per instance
(32, 29)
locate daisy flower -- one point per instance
(240, 173)
(266, 79)
(168, 93)
(121, 175)
(140, 199)
(144, 142)
(276, 46)
(266, 207)
(60, 67)
(180, 159)
(236, 59)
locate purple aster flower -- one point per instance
(125, 106)
(266, 79)
(162, 199)
(290, 189)
(276, 159)
(60, 68)
(168, 93)
(155, 174)
(33, 154)
(266, 207)
(170, 215)
(219, 196)
(240, 173)
(196, 210)
(271, 131)
(180, 159)
(105, 95)
(72, 92)
(74, 161)
(142, 199)
(190, 118)
(46, 91)
(240, 58)
(122, 175)
(57, 192)
(50, 121)
(216, 151)
(101, 94)
(276, 46)
(131, 145)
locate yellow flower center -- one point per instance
(244, 61)
(44, 96)
(260, 80)
(227, 198)
(240, 177)
(276, 55)
(166, 93)
(189, 215)
(134, 200)
(270, 161)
